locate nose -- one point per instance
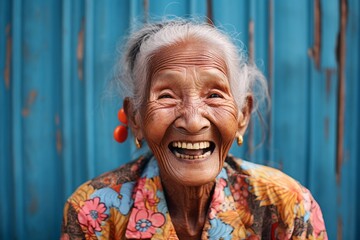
(192, 119)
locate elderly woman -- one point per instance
(190, 93)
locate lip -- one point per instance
(191, 151)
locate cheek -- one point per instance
(225, 118)
(156, 121)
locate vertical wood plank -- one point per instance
(66, 99)
(350, 179)
(341, 63)
(17, 126)
(6, 161)
(258, 131)
(290, 89)
(77, 90)
(341, 98)
(329, 28)
(322, 181)
(108, 153)
(270, 75)
(197, 9)
(89, 88)
(322, 142)
(169, 9)
(136, 12)
(232, 23)
(40, 113)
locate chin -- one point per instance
(193, 172)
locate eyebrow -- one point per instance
(167, 73)
(218, 76)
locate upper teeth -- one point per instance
(187, 145)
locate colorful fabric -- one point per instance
(249, 202)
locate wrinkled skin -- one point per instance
(189, 100)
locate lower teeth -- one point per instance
(183, 156)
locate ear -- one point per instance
(133, 117)
(245, 115)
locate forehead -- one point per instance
(187, 54)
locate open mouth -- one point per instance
(188, 150)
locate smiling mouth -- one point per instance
(188, 150)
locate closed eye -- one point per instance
(215, 95)
(165, 96)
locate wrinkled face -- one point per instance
(191, 118)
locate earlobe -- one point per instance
(133, 118)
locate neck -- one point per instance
(188, 207)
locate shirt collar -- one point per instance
(150, 215)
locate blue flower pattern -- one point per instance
(219, 230)
(122, 201)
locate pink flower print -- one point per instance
(218, 198)
(313, 208)
(317, 220)
(240, 191)
(143, 223)
(145, 195)
(91, 214)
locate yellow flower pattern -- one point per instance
(272, 187)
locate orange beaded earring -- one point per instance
(121, 131)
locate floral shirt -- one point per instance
(249, 202)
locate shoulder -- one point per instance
(115, 181)
(102, 201)
(269, 185)
(257, 174)
(296, 209)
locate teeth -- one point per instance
(192, 146)
(183, 156)
(198, 145)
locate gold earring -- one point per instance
(240, 140)
(137, 143)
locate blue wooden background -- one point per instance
(57, 113)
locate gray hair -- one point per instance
(142, 44)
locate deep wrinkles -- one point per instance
(181, 109)
(178, 55)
